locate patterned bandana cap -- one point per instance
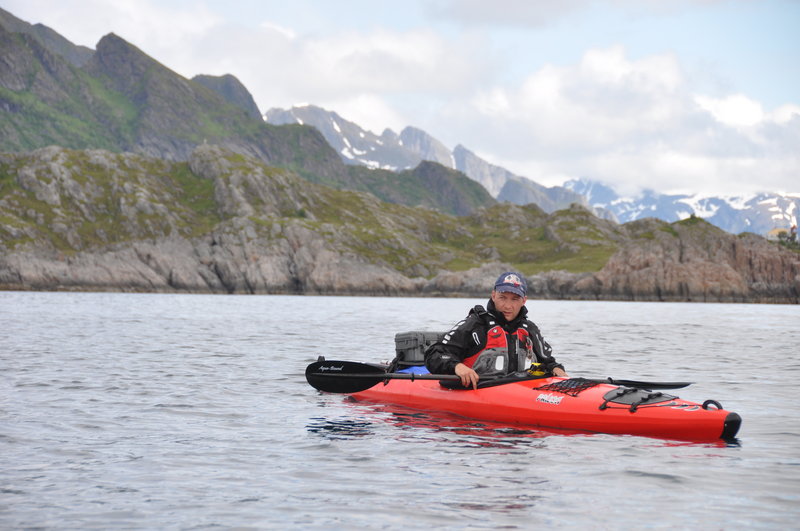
(511, 282)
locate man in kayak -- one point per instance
(496, 341)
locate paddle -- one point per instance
(643, 385)
(334, 376)
(351, 377)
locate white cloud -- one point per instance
(540, 13)
(392, 62)
(289, 33)
(364, 76)
(785, 113)
(593, 106)
(506, 13)
(632, 124)
(370, 112)
(736, 110)
(148, 24)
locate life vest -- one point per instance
(504, 352)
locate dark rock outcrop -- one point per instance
(696, 261)
(684, 261)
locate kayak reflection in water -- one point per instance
(495, 341)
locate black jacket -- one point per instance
(469, 337)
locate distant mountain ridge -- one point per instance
(397, 152)
(757, 213)
(119, 99)
(354, 144)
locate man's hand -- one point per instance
(558, 371)
(467, 375)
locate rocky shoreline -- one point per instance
(176, 266)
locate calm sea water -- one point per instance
(136, 411)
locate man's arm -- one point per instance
(446, 356)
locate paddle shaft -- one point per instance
(453, 377)
(352, 377)
(393, 376)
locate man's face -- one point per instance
(509, 304)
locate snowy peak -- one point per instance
(354, 144)
(398, 152)
(596, 193)
(760, 213)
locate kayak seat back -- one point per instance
(410, 347)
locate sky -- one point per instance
(677, 96)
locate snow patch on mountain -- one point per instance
(759, 213)
(398, 152)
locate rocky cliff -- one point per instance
(690, 260)
(696, 261)
(221, 223)
(226, 223)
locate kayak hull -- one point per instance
(543, 404)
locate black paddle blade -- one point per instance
(334, 376)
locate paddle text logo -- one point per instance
(331, 368)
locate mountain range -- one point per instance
(120, 99)
(396, 152)
(758, 213)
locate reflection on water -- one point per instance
(410, 419)
(339, 428)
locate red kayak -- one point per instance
(605, 406)
(571, 404)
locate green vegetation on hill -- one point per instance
(225, 222)
(73, 201)
(124, 101)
